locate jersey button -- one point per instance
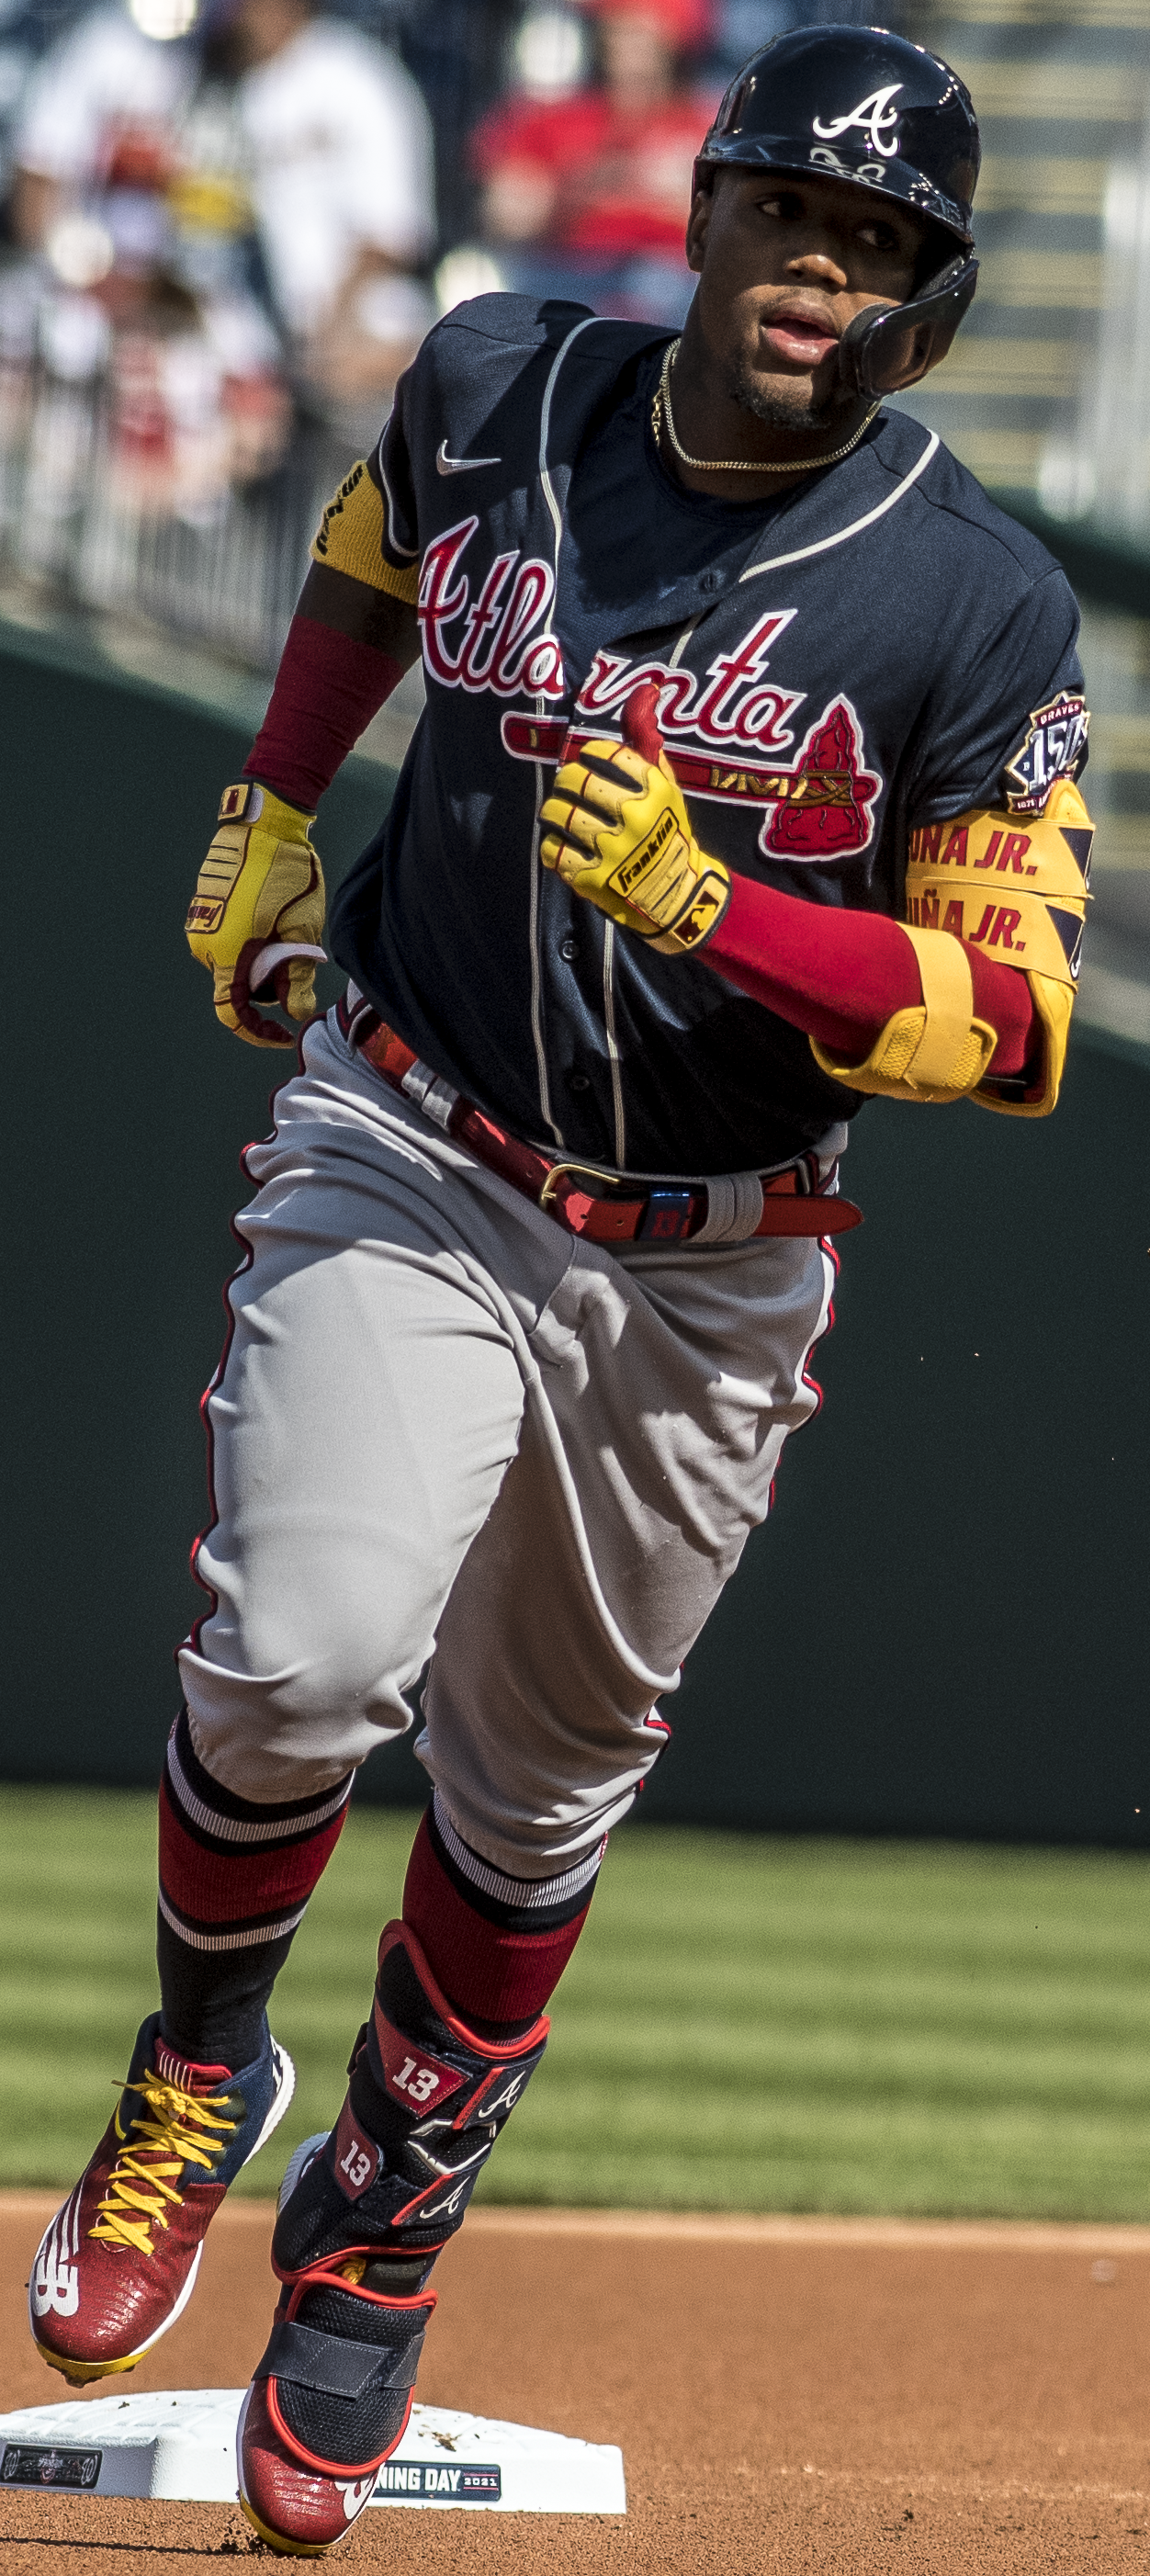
(569, 948)
(580, 1081)
(710, 581)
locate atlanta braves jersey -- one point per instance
(877, 649)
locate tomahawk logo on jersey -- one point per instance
(852, 660)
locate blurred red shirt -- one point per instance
(623, 180)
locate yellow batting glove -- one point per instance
(257, 913)
(618, 833)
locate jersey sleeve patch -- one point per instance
(350, 537)
(1053, 746)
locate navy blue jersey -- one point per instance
(865, 654)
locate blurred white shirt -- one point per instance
(102, 75)
(340, 156)
(336, 143)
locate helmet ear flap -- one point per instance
(885, 349)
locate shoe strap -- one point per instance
(339, 2365)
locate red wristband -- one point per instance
(327, 689)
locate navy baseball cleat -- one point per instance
(363, 2213)
(118, 2264)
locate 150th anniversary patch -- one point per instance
(1054, 747)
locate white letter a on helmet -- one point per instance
(874, 115)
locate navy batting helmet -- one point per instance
(860, 104)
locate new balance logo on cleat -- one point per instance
(54, 2288)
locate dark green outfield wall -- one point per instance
(944, 1628)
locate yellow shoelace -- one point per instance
(128, 2213)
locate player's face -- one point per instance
(783, 265)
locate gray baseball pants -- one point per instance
(444, 1428)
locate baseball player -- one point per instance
(745, 791)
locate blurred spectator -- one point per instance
(458, 51)
(587, 195)
(23, 39)
(289, 149)
(131, 385)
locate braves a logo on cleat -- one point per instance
(355, 2493)
(496, 2096)
(449, 2207)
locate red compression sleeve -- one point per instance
(841, 975)
(327, 689)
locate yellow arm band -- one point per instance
(350, 537)
(935, 1051)
(1019, 892)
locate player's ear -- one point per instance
(699, 219)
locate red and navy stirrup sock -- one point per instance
(235, 1878)
(497, 1945)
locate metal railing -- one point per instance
(115, 502)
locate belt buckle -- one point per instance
(612, 1180)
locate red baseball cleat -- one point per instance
(118, 2264)
(362, 2215)
(309, 2455)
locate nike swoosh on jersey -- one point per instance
(445, 464)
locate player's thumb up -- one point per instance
(641, 723)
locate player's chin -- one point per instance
(796, 398)
(781, 389)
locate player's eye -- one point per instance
(884, 239)
(785, 205)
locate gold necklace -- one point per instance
(661, 419)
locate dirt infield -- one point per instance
(789, 2395)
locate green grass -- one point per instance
(748, 2023)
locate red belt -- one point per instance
(585, 1200)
